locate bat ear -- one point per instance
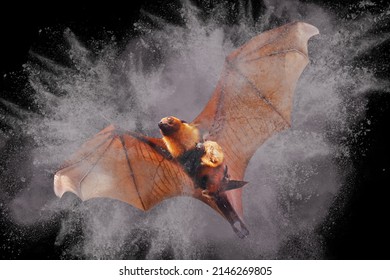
(233, 184)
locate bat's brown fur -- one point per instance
(178, 136)
(214, 178)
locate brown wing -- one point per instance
(253, 98)
(128, 167)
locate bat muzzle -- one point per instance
(162, 125)
(231, 215)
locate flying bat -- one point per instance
(207, 158)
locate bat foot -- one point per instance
(240, 229)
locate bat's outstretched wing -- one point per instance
(254, 96)
(124, 166)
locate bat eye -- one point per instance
(182, 121)
(170, 120)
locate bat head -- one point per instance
(170, 125)
(178, 135)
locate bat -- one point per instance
(207, 158)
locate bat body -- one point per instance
(207, 158)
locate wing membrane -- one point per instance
(121, 166)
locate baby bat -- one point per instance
(207, 158)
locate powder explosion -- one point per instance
(172, 69)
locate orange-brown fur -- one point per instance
(215, 177)
(182, 137)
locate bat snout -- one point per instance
(161, 124)
(166, 128)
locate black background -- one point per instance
(361, 231)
